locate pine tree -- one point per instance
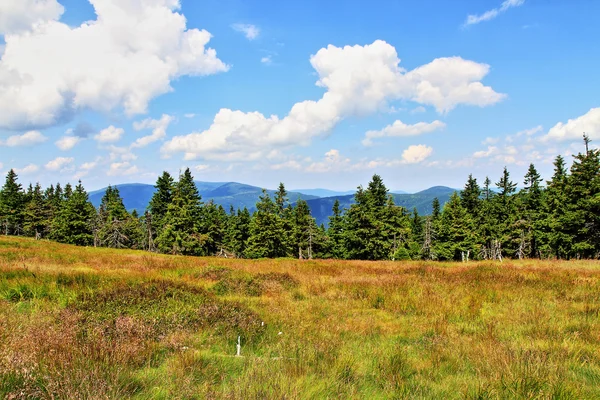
(335, 232)
(267, 236)
(531, 199)
(582, 219)
(470, 196)
(73, 223)
(12, 200)
(304, 230)
(159, 203)
(554, 240)
(35, 215)
(114, 227)
(238, 231)
(182, 222)
(456, 232)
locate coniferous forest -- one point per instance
(558, 218)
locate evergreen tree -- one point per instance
(335, 232)
(180, 233)
(582, 219)
(304, 230)
(267, 236)
(238, 231)
(470, 196)
(73, 223)
(35, 214)
(456, 232)
(160, 203)
(12, 201)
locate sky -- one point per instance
(313, 94)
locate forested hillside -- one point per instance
(560, 219)
(137, 196)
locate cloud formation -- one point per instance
(159, 130)
(67, 142)
(400, 129)
(109, 135)
(493, 13)
(17, 16)
(358, 81)
(27, 139)
(250, 31)
(122, 60)
(574, 128)
(59, 163)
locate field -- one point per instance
(99, 323)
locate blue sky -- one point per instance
(312, 93)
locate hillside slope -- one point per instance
(321, 208)
(136, 196)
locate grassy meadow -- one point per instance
(99, 323)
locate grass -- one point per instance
(99, 323)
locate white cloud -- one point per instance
(189, 115)
(27, 139)
(109, 135)
(67, 142)
(17, 16)
(158, 126)
(418, 110)
(573, 129)
(334, 161)
(359, 80)
(27, 170)
(85, 168)
(122, 169)
(122, 60)
(250, 31)
(59, 163)
(491, 150)
(123, 153)
(416, 154)
(267, 60)
(399, 128)
(493, 13)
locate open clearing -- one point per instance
(99, 323)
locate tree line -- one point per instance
(558, 219)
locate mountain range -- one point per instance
(136, 196)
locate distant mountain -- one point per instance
(323, 192)
(321, 208)
(136, 196)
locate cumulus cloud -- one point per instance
(493, 13)
(573, 129)
(122, 60)
(17, 16)
(159, 130)
(27, 170)
(109, 135)
(123, 153)
(27, 139)
(59, 163)
(416, 154)
(67, 142)
(250, 31)
(122, 169)
(85, 168)
(358, 80)
(399, 128)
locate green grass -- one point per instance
(98, 323)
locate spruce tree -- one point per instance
(35, 218)
(12, 200)
(73, 223)
(267, 236)
(335, 232)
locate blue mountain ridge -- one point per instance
(136, 196)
